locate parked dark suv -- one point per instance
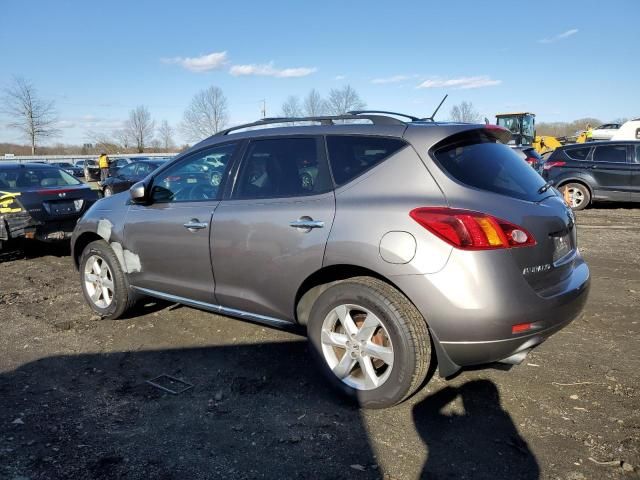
(394, 243)
(596, 171)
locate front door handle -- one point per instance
(194, 224)
(306, 224)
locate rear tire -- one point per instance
(104, 284)
(579, 195)
(370, 340)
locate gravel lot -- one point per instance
(74, 402)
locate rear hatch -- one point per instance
(49, 193)
(57, 203)
(490, 178)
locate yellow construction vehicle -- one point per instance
(522, 126)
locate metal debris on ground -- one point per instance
(167, 383)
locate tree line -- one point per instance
(208, 112)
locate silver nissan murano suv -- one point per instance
(398, 243)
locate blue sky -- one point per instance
(561, 60)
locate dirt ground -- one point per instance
(74, 402)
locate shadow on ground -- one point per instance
(469, 435)
(21, 249)
(255, 411)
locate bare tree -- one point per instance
(291, 107)
(465, 113)
(140, 127)
(165, 132)
(207, 114)
(122, 137)
(103, 142)
(33, 116)
(314, 105)
(344, 100)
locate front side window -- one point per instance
(283, 167)
(578, 153)
(610, 153)
(196, 178)
(352, 155)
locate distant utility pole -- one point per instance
(264, 108)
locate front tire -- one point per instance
(104, 284)
(370, 340)
(579, 195)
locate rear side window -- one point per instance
(475, 159)
(283, 167)
(610, 153)
(352, 155)
(578, 153)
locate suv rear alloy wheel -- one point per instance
(104, 284)
(372, 343)
(579, 196)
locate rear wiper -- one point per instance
(545, 187)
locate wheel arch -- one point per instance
(80, 243)
(579, 180)
(315, 284)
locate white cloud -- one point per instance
(339, 77)
(393, 79)
(268, 70)
(204, 63)
(560, 36)
(461, 82)
(66, 124)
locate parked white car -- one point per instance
(628, 131)
(606, 131)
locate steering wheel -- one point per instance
(200, 192)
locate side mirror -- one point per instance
(138, 192)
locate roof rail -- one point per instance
(360, 112)
(323, 120)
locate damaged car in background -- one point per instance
(40, 202)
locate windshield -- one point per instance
(28, 178)
(475, 159)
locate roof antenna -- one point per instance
(437, 108)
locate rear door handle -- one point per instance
(194, 224)
(306, 223)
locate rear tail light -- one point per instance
(531, 161)
(469, 230)
(550, 165)
(55, 191)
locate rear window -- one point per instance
(578, 153)
(27, 178)
(477, 160)
(352, 155)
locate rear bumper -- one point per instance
(471, 307)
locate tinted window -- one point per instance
(475, 159)
(351, 156)
(578, 153)
(196, 178)
(145, 168)
(638, 154)
(23, 178)
(610, 153)
(283, 167)
(127, 170)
